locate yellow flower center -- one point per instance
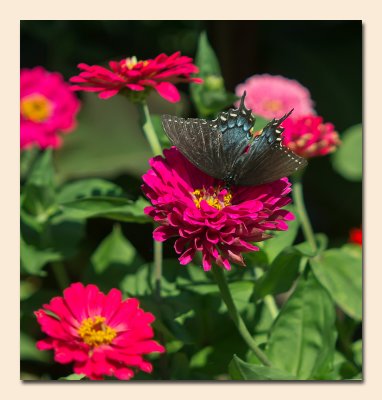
(36, 108)
(131, 62)
(215, 197)
(272, 105)
(95, 332)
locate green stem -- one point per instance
(158, 259)
(148, 128)
(156, 148)
(228, 300)
(298, 198)
(61, 275)
(272, 306)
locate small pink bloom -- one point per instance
(309, 136)
(47, 108)
(203, 216)
(100, 333)
(131, 75)
(273, 96)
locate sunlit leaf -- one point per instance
(116, 208)
(210, 96)
(340, 272)
(34, 259)
(38, 194)
(347, 160)
(303, 336)
(88, 188)
(114, 249)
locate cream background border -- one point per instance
(12, 12)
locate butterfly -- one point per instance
(225, 148)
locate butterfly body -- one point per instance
(225, 149)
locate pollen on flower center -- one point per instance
(215, 197)
(36, 108)
(131, 62)
(272, 105)
(95, 332)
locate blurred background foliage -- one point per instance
(324, 56)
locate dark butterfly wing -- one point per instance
(199, 141)
(267, 159)
(212, 146)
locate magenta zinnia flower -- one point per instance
(47, 107)
(101, 334)
(204, 216)
(129, 74)
(273, 96)
(309, 136)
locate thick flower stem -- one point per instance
(158, 258)
(228, 300)
(272, 306)
(298, 198)
(156, 148)
(148, 128)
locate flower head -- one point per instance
(134, 76)
(273, 96)
(355, 236)
(100, 333)
(47, 108)
(309, 136)
(205, 216)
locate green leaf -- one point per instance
(347, 160)
(137, 284)
(34, 259)
(88, 188)
(280, 275)
(28, 350)
(341, 274)
(38, 195)
(357, 352)
(199, 359)
(321, 241)
(72, 377)
(114, 249)
(116, 208)
(303, 336)
(242, 371)
(210, 96)
(281, 239)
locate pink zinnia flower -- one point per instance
(273, 96)
(355, 236)
(309, 136)
(48, 107)
(204, 216)
(101, 334)
(132, 75)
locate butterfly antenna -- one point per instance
(282, 119)
(242, 100)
